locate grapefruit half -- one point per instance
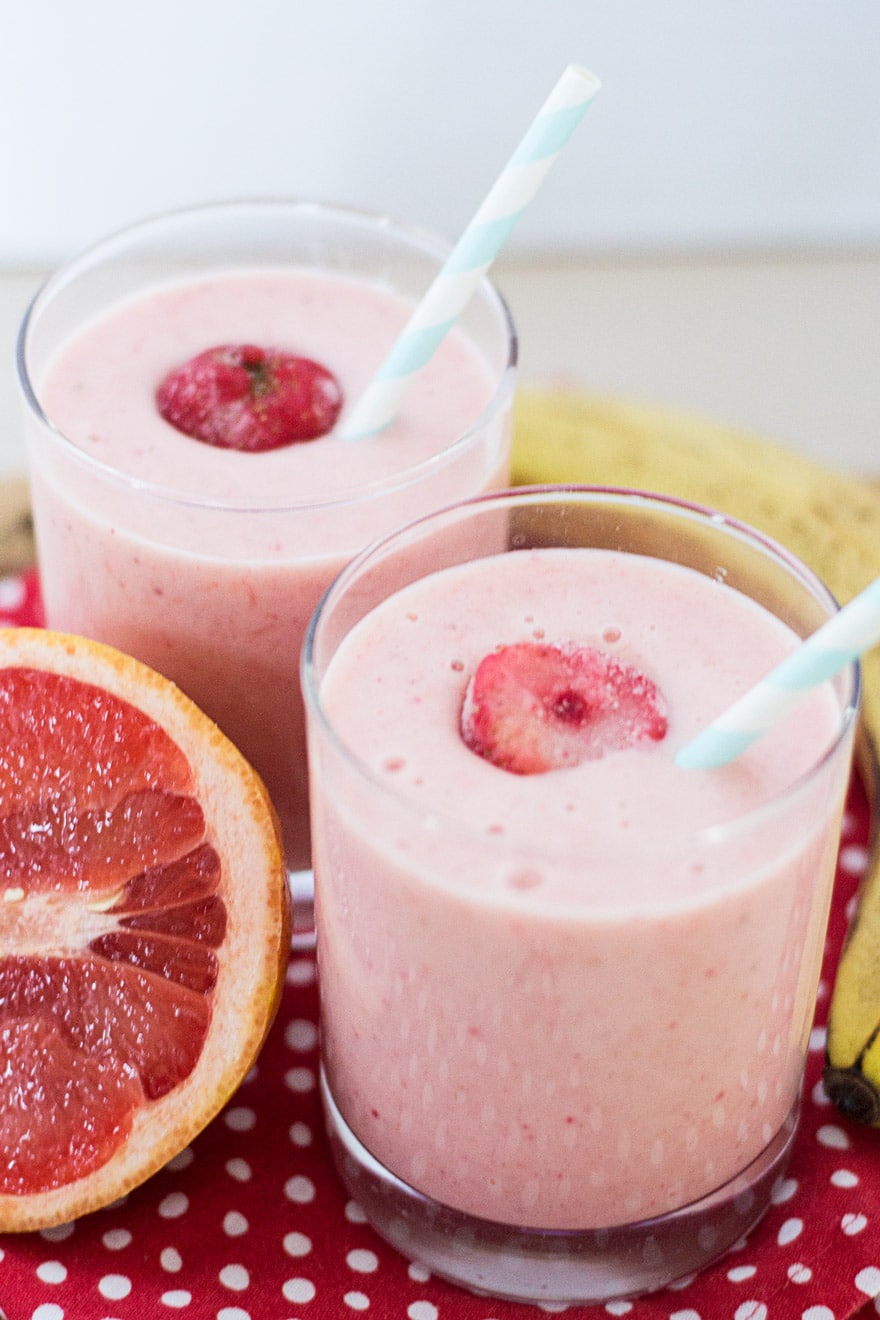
(144, 924)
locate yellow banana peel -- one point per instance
(833, 523)
(16, 528)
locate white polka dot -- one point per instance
(297, 1244)
(240, 1119)
(685, 1315)
(115, 1239)
(114, 1287)
(298, 1290)
(234, 1224)
(354, 1214)
(833, 1137)
(47, 1311)
(358, 1301)
(853, 859)
(417, 1272)
(751, 1311)
(170, 1260)
(238, 1169)
(741, 1273)
(422, 1311)
(844, 1178)
(182, 1160)
(365, 1262)
(177, 1298)
(301, 972)
(853, 1224)
(300, 1134)
(783, 1190)
(868, 1281)
(299, 1189)
(817, 1313)
(52, 1271)
(791, 1229)
(300, 1080)
(800, 1273)
(817, 1039)
(57, 1234)
(819, 1095)
(234, 1277)
(301, 1035)
(174, 1205)
(12, 593)
(233, 1313)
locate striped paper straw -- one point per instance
(475, 251)
(840, 641)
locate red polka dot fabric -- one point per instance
(251, 1223)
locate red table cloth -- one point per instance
(251, 1223)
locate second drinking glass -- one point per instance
(207, 562)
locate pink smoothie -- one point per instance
(579, 998)
(211, 571)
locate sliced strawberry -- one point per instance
(533, 707)
(238, 396)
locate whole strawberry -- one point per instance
(239, 396)
(534, 707)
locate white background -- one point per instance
(721, 122)
(709, 239)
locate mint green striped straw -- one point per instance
(475, 251)
(840, 641)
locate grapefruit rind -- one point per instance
(242, 826)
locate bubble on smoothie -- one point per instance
(524, 878)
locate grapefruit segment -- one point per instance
(49, 845)
(144, 924)
(53, 727)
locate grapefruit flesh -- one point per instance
(143, 924)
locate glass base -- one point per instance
(549, 1265)
(302, 891)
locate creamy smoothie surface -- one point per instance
(99, 389)
(206, 562)
(574, 998)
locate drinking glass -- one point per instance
(540, 1079)
(214, 585)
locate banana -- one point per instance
(16, 528)
(833, 523)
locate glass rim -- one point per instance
(714, 834)
(429, 244)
